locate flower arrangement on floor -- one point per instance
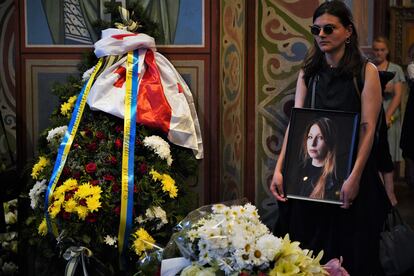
(95, 180)
(232, 240)
(8, 240)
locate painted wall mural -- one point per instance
(7, 78)
(282, 39)
(70, 22)
(232, 90)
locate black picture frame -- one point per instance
(300, 176)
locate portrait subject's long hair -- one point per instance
(329, 134)
(350, 63)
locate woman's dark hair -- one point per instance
(329, 133)
(350, 63)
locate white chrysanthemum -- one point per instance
(140, 219)
(35, 192)
(157, 213)
(56, 134)
(269, 245)
(10, 218)
(219, 208)
(160, 147)
(87, 74)
(112, 241)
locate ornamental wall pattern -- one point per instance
(7, 76)
(282, 39)
(232, 95)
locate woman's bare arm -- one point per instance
(370, 107)
(276, 185)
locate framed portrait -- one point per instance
(319, 154)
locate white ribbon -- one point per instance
(170, 267)
(72, 255)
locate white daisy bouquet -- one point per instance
(231, 239)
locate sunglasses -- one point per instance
(327, 29)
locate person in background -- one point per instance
(407, 132)
(392, 95)
(326, 81)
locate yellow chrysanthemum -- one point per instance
(70, 205)
(168, 185)
(93, 203)
(70, 184)
(72, 99)
(54, 210)
(82, 212)
(84, 191)
(65, 109)
(42, 230)
(155, 175)
(143, 241)
(39, 166)
(96, 191)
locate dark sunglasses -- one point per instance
(327, 29)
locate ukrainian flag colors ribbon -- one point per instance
(66, 143)
(127, 180)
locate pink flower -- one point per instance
(334, 268)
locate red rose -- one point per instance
(95, 182)
(118, 143)
(115, 188)
(112, 160)
(88, 132)
(91, 218)
(76, 175)
(143, 168)
(117, 210)
(109, 177)
(118, 129)
(65, 215)
(68, 196)
(66, 171)
(92, 146)
(90, 167)
(100, 135)
(82, 202)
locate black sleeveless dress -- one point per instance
(351, 233)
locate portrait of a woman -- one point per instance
(318, 178)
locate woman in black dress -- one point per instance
(331, 67)
(407, 131)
